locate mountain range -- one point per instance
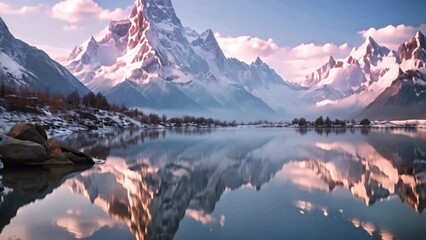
(150, 60)
(370, 78)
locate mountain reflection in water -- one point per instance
(151, 180)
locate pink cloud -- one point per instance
(246, 48)
(292, 64)
(392, 36)
(75, 11)
(6, 9)
(71, 28)
(307, 51)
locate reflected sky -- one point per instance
(227, 184)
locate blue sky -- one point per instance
(291, 27)
(291, 22)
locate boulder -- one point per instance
(41, 131)
(75, 153)
(28, 132)
(18, 152)
(55, 153)
(92, 127)
(27, 144)
(76, 159)
(87, 115)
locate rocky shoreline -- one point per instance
(27, 145)
(70, 121)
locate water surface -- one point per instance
(226, 184)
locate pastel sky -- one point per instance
(293, 36)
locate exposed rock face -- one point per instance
(27, 144)
(412, 53)
(28, 132)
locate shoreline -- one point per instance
(102, 121)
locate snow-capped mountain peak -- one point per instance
(413, 52)
(331, 61)
(320, 74)
(156, 11)
(207, 41)
(91, 47)
(368, 70)
(370, 49)
(370, 74)
(156, 60)
(258, 62)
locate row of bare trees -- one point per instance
(59, 103)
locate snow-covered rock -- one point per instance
(68, 122)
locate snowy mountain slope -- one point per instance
(355, 82)
(365, 65)
(404, 99)
(157, 94)
(24, 66)
(153, 51)
(320, 74)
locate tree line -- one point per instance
(327, 122)
(19, 99)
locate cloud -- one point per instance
(75, 11)
(71, 28)
(308, 51)
(246, 47)
(392, 36)
(292, 64)
(6, 9)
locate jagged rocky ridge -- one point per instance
(405, 97)
(150, 60)
(368, 75)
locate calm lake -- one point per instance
(237, 183)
